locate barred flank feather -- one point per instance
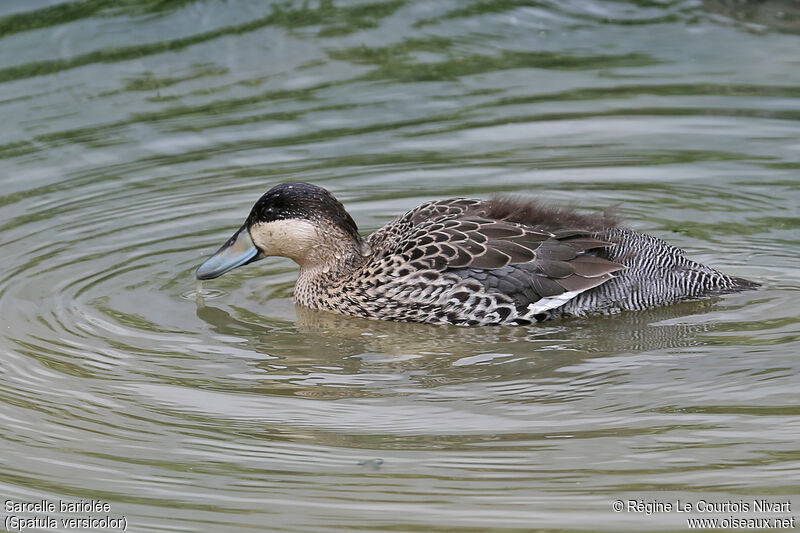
(657, 274)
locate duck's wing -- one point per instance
(398, 231)
(538, 269)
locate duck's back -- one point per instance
(472, 262)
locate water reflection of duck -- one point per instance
(464, 261)
(314, 339)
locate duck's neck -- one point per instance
(328, 266)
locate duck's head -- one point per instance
(296, 220)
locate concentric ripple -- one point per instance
(132, 155)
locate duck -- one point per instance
(465, 261)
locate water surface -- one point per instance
(138, 134)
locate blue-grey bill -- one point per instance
(237, 251)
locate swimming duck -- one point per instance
(464, 261)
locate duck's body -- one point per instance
(464, 261)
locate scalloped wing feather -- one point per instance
(538, 270)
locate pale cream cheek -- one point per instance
(286, 238)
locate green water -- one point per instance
(137, 134)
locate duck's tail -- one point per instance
(741, 284)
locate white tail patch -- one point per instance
(545, 304)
